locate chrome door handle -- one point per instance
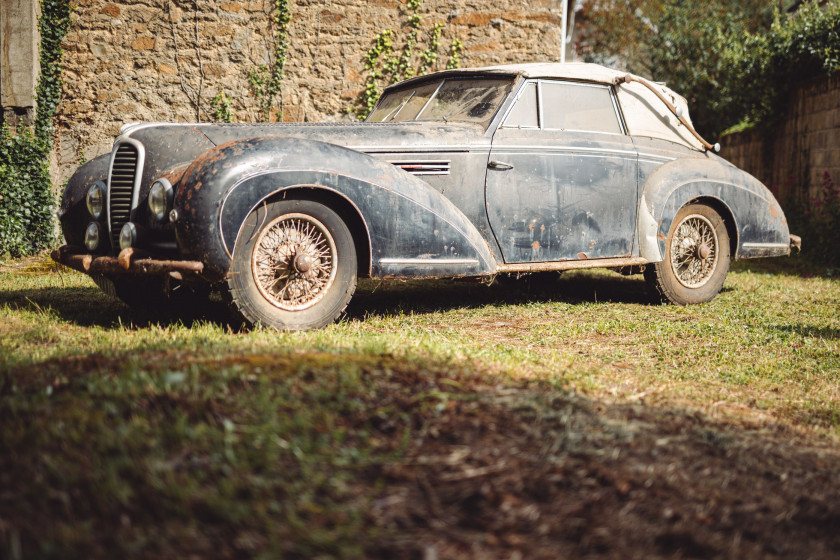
(499, 165)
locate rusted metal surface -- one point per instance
(124, 264)
(435, 199)
(572, 265)
(796, 242)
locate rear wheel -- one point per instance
(293, 267)
(696, 258)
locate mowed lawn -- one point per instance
(446, 419)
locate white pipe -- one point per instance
(563, 32)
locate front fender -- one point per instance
(756, 218)
(73, 213)
(413, 230)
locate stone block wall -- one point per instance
(794, 157)
(165, 60)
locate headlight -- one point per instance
(160, 199)
(96, 199)
(92, 236)
(128, 236)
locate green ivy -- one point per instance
(384, 65)
(221, 108)
(267, 79)
(27, 204)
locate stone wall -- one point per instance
(151, 60)
(794, 157)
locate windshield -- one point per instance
(452, 99)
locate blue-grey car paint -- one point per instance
(424, 225)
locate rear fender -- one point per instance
(756, 223)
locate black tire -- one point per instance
(293, 267)
(696, 259)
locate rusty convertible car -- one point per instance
(473, 172)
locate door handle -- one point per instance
(499, 165)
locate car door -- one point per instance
(562, 175)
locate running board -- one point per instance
(571, 265)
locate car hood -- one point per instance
(364, 137)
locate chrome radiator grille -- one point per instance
(121, 193)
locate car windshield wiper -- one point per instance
(393, 114)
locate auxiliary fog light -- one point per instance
(96, 199)
(128, 236)
(160, 199)
(92, 236)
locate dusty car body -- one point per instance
(477, 172)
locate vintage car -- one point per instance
(472, 172)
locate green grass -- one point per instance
(128, 437)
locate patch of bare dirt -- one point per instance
(532, 474)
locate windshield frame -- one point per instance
(505, 82)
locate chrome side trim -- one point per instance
(540, 149)
(765, 245)
(429, 262)
(421, 149)
(423, 167)
(572, 265)
(655, 157)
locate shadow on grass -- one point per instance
(304, 455)
(794, 265)
(88, 306)
(807, 331)
(423, 296)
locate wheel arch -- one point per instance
(342, 206)
(411, 229)
(725, 213)
(754, 220)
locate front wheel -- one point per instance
(293, 266)
(696, 258)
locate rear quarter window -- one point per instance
(582, 107)
(646, 115)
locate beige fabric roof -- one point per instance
(645, 115)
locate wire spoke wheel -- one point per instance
(696, 259)
(293, 262)
(293, 266)
(694, 251)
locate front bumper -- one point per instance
(129, 261)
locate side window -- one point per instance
(524, 112)
(581, 107)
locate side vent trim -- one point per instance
(423, 167)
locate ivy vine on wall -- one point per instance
(385, 64)
(27, 203)
(267, 79)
